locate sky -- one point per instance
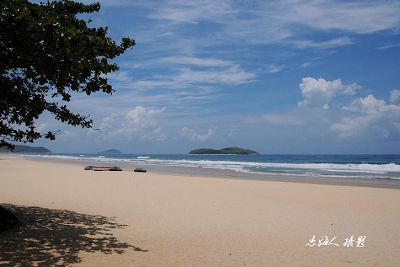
(278, 77)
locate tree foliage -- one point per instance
(46, 54)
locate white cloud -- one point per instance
(142, 118)
(366, 117)
(106, 2)
(231, 76)
(188, 77)
(306, 65)
(389, 46)
(121, 76)
(194, 61)
(333, 43)
(352, 16)
(275, 68)
(394, 96)
(284, 20)
(351, 126)
(319, 92)
(368, 113)
(182, 60)
(191, 12)
(185, 72)
(371, 105)
(121, 79)
(276, 118)
(42, 127)
(194, 136)
(138, 123)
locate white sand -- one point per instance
(204, 221)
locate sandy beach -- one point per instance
(71, 216)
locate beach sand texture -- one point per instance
(72, 216)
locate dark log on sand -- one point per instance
(103, 168)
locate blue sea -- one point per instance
(338, 166)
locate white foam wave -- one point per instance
(331, 167)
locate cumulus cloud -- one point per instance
(194, 136)
(139, 122)
(394, 96)
(319, 92)
(143, 118)
(368, 113)
(370, 105)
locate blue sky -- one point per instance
(291, 76)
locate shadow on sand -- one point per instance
(51, 237)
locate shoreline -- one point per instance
(228, 174)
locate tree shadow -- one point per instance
(55, 237)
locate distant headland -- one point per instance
(224, 151)
(26, 149)
(110, 151)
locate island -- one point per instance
(224, 151)
(26, 149)
(110, 151)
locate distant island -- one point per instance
(26, 149)
(110, 151)
(228, 150)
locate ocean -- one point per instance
(319, 166)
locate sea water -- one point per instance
(339, 166)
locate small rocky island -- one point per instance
(224, 151)
(110, 151)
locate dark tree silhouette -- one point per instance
(46, 54)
